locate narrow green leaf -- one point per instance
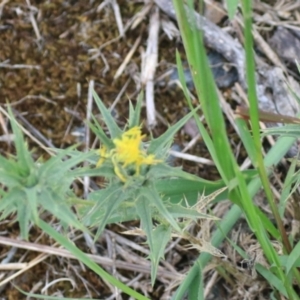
(293, 258)
(246, 139)
(10, 178)
(178, 211)
(57, 205)
(112, 203)
(291, 130)
(23, 155)
(155, 199)
(208, 141)
(177, 189)
(32, 200)
(23, 216)
(104, 170)
(196, 290)
(272, 279)
(164, 170)
(8, 203)
(287, 187)
(267, 224)
(232, 6)
(143, 210)
(158, 144)
(161, 237)
(112, 126)
(97, 129)
(135, 114)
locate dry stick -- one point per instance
(33, 22)
(125, 242)
(34, 97)
(118, 16)
(19, 66)
(122, 91)
(149, 64)
(143, 266)
(140, 16)
(29, 134)
(89, 108)
(128, 58)
(132, 23)
(210, 284)
(193, 158)
(214, 37)
(86, 179)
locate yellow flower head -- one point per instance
(128, 151)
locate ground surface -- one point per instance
(49, 52)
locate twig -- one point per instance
(19, 66)
(128, 58)
(33, 22)
(118, 16)
(105, 261)
(149, 64)
(193, 158)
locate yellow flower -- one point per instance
(103, 155)
(128, 151)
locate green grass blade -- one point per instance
(293, 258)
(272, 279)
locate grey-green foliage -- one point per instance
(29, 186)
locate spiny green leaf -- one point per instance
(23, 155)
(56, 204)
(176, 189)
(161, 236)
(97, 129)
(112, 126)
(10, 178)
(178, 211)
(8, 202)
(32, 200)
(111, 205)
(106, 171)
(135, 113)
(158, 144)
(154, 198)
(23, 216)
(100, 198)
(164, 170)
(144, 212)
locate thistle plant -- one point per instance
(29, 188)
(132, 168)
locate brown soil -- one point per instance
(50, 50)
